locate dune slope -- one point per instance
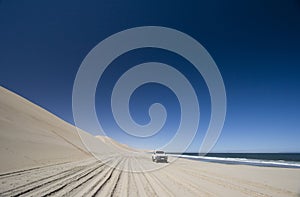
(31, 136)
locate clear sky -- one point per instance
(256, 45)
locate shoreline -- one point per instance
(242, 161)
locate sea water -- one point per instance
(287, 160)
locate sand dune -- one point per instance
(30, 136)
(108, 140)
(43, 155)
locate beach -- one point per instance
(43, 155)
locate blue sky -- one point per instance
(254, 43)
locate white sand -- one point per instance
(43, 155)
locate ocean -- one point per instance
(286, 160)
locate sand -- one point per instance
(43, 155)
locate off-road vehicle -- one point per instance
(159, 156)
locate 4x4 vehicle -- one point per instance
(159, 155)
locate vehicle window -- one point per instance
(160, 152)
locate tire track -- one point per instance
(21, 172)
(68, 188)
(151, 189)
(157, 187)
(96, 183)
(33, 183)
(16, 180)
(58, 183)
(110, 185)
(123, 187)
(185, 183)
(133, 187)
(140, 189)
(51, 177)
